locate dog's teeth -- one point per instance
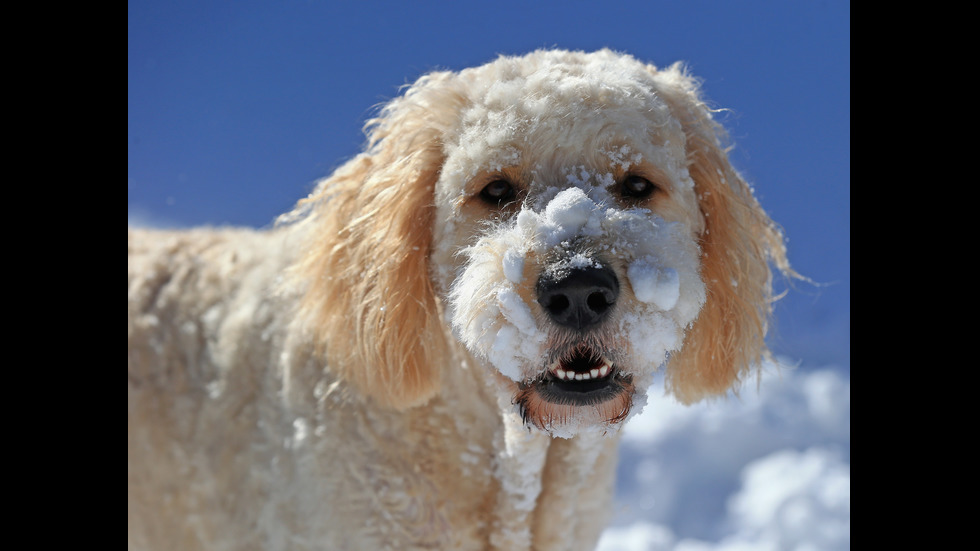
(604, 369)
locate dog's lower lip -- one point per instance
(549, 403)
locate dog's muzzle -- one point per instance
(581, 381)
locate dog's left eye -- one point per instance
(497, 192)
(637, 187)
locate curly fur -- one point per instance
(374, 372)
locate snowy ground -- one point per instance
(769, 470)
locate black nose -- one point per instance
(580, 298)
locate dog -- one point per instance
(437, 348)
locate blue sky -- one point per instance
(235, 108)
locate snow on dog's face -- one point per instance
(566, 239)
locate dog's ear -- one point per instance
(369, 298)
(739, 240)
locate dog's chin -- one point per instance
(582, 392)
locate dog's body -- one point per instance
(437, 348)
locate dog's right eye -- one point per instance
(637, 187)
(497, 192)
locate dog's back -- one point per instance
(200, 304)
(239, 438)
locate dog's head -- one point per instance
(573, 217)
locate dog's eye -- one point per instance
(637, 187)
(497, 192)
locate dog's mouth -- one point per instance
(584, 386)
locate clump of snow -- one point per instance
(651, 336)
(301, 429)
(513, 265)
(485, 308)
(653, 284)
(579, 261)
(510, 347)
(622, 156)
(570, 214)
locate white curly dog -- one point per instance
(437, 348)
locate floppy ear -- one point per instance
(727, 339)
(369, 298)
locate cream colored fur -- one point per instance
(344, 381)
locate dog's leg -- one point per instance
(518, 469)
(575, 495)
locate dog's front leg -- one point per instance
(518, 471)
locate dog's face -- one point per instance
(566, 239)
(572, 218)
